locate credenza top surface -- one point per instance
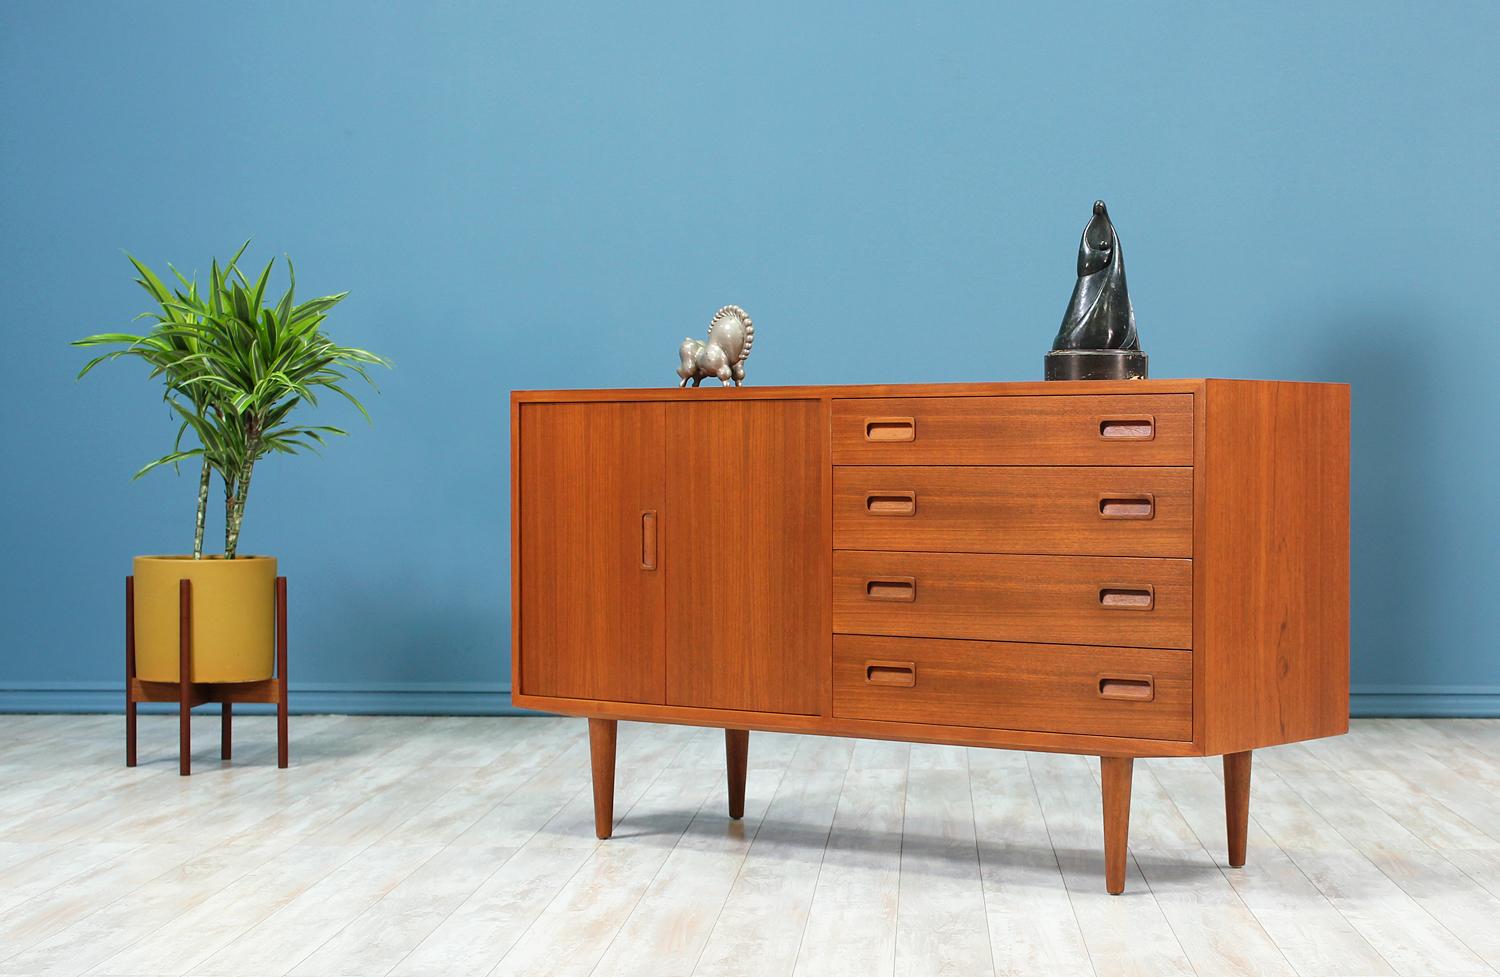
(833, 391)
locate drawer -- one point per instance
(1104, 429)
(1138, 692)
(1083, 600)
(1085, 511)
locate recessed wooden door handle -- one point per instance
(1135, 427)
(1127, 597)
(892, 588)
(1130, 688)
(891, 503)
(899, 674)
(648, 539)
(1141, 506)
(890, 429)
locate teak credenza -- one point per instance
(1149, 568)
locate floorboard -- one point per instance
(420, 847)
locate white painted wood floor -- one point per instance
(465, 847)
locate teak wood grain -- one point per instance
(591, 616)
(1039, 430)
(828, 724)
(1115, 776)
(1237, 804)
(1081, 511)
(603, 740)
(1051, 388)
(1151, 568)
(743, 559)
(1272, 563)
(1053, 599)
(1018, 686)
(736, 763)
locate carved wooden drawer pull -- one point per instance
(892, 588)
(1128, 598)
(1141, 506)
(1130, 688)
(899, 674)
(890, 429)
(648, 539)
(1140, 427)
(891, 503)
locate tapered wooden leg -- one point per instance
(184, 677)
(736, 756)
(1237, 804)
(283, 735)
(129, 671)
(129, 733)
(226, 717)
(1115, 775)
(602, 737)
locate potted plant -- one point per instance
(236, 367)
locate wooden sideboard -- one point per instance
(1152, 568)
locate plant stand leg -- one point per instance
(736, 757)
(129, 671)
(283, 748)
(1237, 804)
(129, 733)
(603, 735)
(226, 717)
(1115, 776)
(184, 677)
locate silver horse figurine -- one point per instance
(730, 336)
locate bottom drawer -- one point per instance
(1137, 692)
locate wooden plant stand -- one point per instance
(187, 693)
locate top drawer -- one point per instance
(1107, 429)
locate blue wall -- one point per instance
(554, 194)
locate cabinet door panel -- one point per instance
(591, 609)
(744, 556)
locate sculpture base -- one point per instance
(1096, 364)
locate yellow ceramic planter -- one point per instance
(234, 611)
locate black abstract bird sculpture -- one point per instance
(1097, 340)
